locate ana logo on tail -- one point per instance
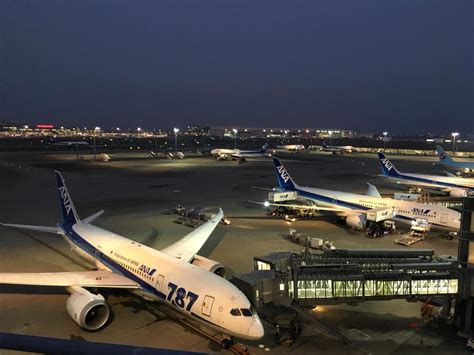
(283, 174)
(387, 164)
(65, 198)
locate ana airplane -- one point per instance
(53, 141)
(455, 186)
(446, 160)
(176, 275)
(354, 207)
(292, 147)
(336, 149)
(228, 154)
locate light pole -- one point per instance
(235, 137)
(95, 132)
(384, 140)
(330, 137)
(176, 130)
(454, 134)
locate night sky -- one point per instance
(402, 66)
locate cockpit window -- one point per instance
(246, 312)
(235, 312)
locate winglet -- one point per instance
(388, 169)
(69, 211)
(284, 179)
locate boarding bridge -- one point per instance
(348, 276)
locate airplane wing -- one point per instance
(73, 278)
(34, 228)
(188, 246)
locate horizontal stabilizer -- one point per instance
(93, 217)
(372, 191)
(34, 228)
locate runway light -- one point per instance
(266, 203)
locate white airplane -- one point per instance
(53, 141)
(446, 160)
(292, 147)
(455, 186)
(175, 275)
(223, 154)
(336, 149)
(354, 207)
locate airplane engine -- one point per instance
(458, 193)
(88, 310)
(356, 221)
(209, 265)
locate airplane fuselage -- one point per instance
(434, 181)
(191, 290)
(439, 217)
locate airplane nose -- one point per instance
(256, 330)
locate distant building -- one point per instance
(280, 132)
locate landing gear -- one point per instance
(227, 342)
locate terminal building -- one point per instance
(280, 132)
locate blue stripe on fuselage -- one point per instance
(322, 198)
(97, 254)
(432, 182)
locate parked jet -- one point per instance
(446, 160)
(228, 154)
(53, 141)
(336, 149)
(455, 186)
(354, 207)
(292, 147)
(175, 275)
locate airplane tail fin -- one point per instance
(264, 148)
(69, 211)
(51, 140)
(284, 179)
(324, 143)
(388, 169)
(443, 156)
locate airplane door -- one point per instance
(207, 305)
(159, 282)
(444, 218)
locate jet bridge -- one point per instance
(348, 276)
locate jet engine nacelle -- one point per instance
(458, 193)
(209, 265)
(357, 221)
(88, 310)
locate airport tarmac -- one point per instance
(137, 194)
